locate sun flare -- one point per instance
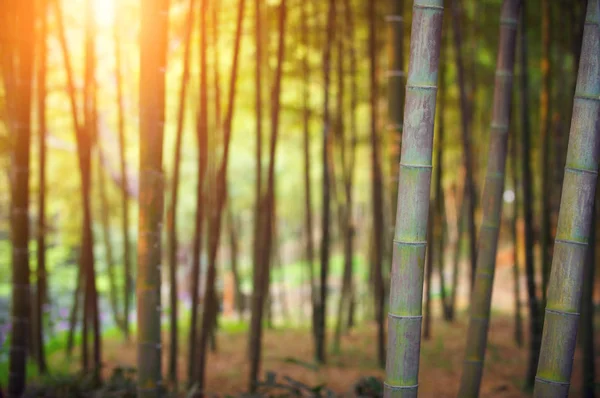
(104, 12)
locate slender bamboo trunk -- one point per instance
(491, 202)
(42, 277)
(153, 49)
(127, 277)
(439, 211)
(172, 216)
(86, 141)
(73, 314)
(108, 254)
(220, 194)
(574, 221)
(234, 226)
(258, 206)
(535, 317)
(269, 200)
(396, 84)
(377, 189)
(19, 66)
(586, 339)
(202, 137)
(545, 119)
(325, 217)
(306, 116)
(466, 138)
(406, 292)
(515, 238)
(347, 168)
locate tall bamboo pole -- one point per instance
(19, 66)
(574, 221)
(466, 137)
(220, 195)
(269, 207)
(123, 165)
(172, 217)
(491, 202)
(154, 24)
(42, 277)
(410, 240)
(326, 212)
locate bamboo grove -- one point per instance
(251, 196)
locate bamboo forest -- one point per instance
(299, 198)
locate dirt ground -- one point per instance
(441, 356)
(440, 367)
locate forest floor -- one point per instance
(284, 349)
(287, 350)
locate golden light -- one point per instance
(104, 12)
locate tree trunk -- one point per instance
(153, 49)
(42, 281)
(515, 238)
(492, 203)
(574, 221)
(202, 137)
(220, 194)
(267, 230)
(18, 75)
(377, 190)
(108, 254)
(535, 322)
(306, 115)
(325, 218)
(127, 277)
(545, 115)
(466, 138)
(406, 292)
(172, 215)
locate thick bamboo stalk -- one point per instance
(574, 221)
(491, 202)
(516, 247)
(154, 23)
(406, 292)
(21, 55)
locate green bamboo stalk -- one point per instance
(491, 202)
(406, 292)
(20, 48)
(574, 221)
(153, 34)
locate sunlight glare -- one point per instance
(104, 11)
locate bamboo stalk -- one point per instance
(574, 221)
(406, 293)
(492, 203)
